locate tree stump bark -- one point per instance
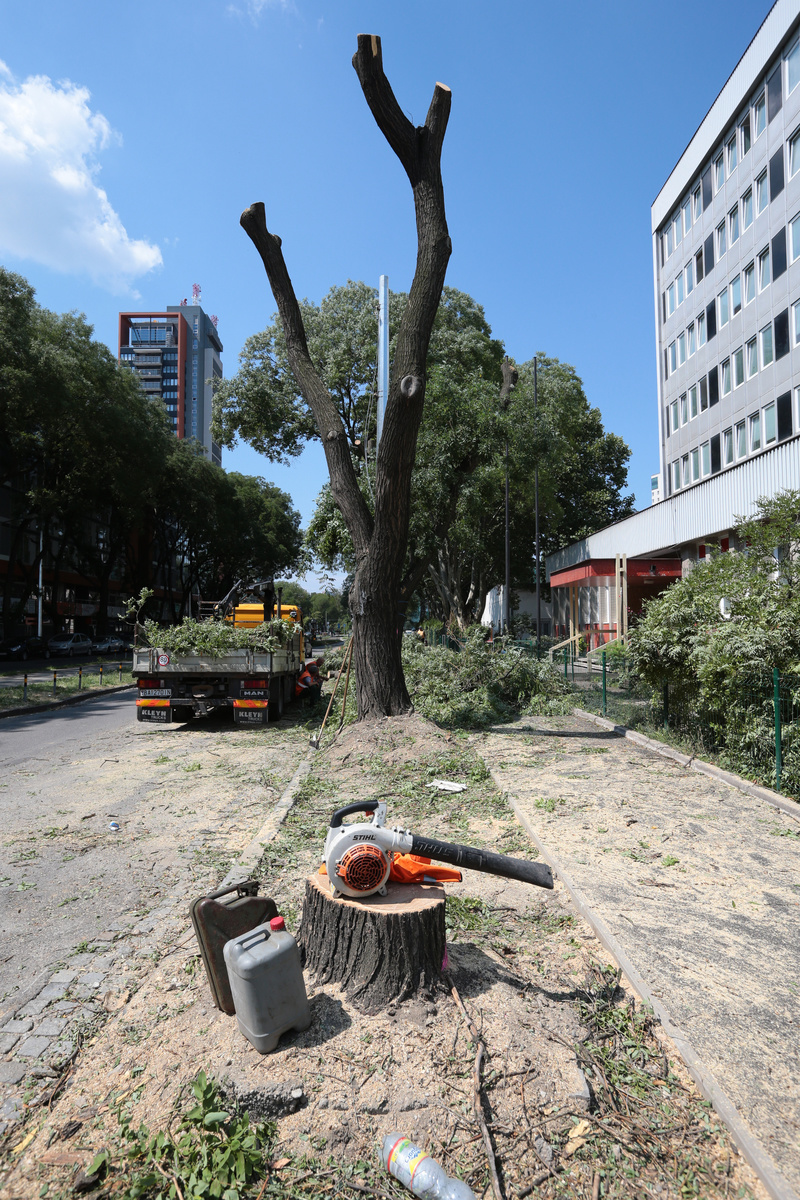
(383, 949)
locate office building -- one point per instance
(176, 354)
(726, 261)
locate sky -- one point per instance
(132, 137)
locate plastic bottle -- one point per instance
(417, 1171)
(269, 993)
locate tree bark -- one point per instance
(381, 950)
(380, 541)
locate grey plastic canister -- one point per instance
(269, 993)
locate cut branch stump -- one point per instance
(383, 949)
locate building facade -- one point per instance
(726, 258)
(176, 354)
(726, 267)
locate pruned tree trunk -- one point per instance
(380, 541)
(381, 950)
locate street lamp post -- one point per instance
(536, 511)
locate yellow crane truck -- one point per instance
(254, 683)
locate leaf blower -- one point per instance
(358, 857)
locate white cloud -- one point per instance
(52, 209)
(254, 8)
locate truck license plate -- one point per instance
(155, 691)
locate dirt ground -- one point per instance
(581, 1095)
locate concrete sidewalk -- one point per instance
(697, 885)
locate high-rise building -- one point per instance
(176, 354)
(726, 260)
(726, 255)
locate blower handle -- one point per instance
(483, 860)
(363, 806)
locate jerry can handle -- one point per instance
(245, 887)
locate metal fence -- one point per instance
(751, 727)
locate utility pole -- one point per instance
(383, 353)
(510, 377)
(536, 510)
(39, 599)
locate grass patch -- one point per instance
(66, 686)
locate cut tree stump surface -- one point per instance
(381, 949)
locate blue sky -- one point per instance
(132, 136)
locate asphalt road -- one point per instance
(35, 736)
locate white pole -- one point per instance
(383, 349)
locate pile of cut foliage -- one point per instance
(218, 637)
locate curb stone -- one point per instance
(254, 851)
(709, 1088)
(84, 694)
(702, 768)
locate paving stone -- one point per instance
(80, 960)
(104, 937)
(51, 1027)
(8, 1041)
(12, 1072)
(64, 976)
(64, 1006)
(92, 978)
(51, 991)
(32, 1047)
(101, 963)
(12, 1108)
(61, 1049)
(22, 1026)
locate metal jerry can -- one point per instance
(216, 922)
(267, 984)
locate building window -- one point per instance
(670, 299)
(721, 246)
(713, 387)
(676, 475)
(741, 440)
(676, 224)
(738, 367)
(760, 115)
(736, 296)
(674, 416)
(705, 458)
(747, 209)
(701, 329)
(733, 225)
(695, 465)
(703, 394)
(766, 346)
(693, 401)
(762, 193)
(725, 371)
(727, 447)
(681, 349)
(698, 265)
(752, 358)
(782, 334)
(794, 238)
(779, 254)
(722, 301)
(776, 174)
(774, 94)
(685, 472)
(666, 422)
(796, 322)
(689, 273)
(770, 432)
(711, 320)
(673, 356)
(687, 216)
(697, 203)
(763, 269)
(784, 407)
(679, 287)
(794, 154)
(755, 432)
(670, 246)
(684, 409)
(691, 339)
(749, 283)
(793, 68)
(744, 134)
(719, 173)
(733, 157)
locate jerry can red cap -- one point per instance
(277, 924)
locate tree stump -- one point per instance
(382, 949)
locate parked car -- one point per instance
(109, 644)
(70, 644)
(24, 648)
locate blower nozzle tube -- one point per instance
(473, 859)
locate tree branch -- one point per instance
(344, 484)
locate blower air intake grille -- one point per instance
(362, 868)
